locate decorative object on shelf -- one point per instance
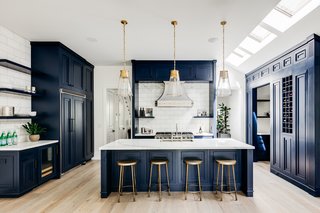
(124, 87)
(222, 121)
(174, 94)
(8, 111)
(34, 131)
(17, 92)
(148, 112)
(224, 88)
(33, 113)
(202, 113)
(33, 89)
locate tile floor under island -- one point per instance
(79, 191)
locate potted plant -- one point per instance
(34, 131)
(222, 121)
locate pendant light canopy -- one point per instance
(224, 88)
(124, 86)
(174, 86)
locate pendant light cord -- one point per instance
(223, 47)
(174, 46)
(124, 46)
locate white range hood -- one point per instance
(174, 95)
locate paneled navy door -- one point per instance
(73, 131)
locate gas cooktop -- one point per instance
(174, 136)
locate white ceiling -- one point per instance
(149, 32)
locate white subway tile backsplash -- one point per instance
(166, 118)
(17, 49)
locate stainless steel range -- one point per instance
(174, 136)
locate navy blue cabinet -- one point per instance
(28, 169)
(21, 171)
(66, 81)
(160, 70)
(293, 78)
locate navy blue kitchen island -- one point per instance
(143, 150)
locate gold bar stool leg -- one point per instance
(135, 180)
(217, 185)
(221, 183)
(168, 182)
(187, 173)
(200, 188)
(234, 182)
(150, 178)
(120, 184)
(229, 184)
(159, 181)
(133, 185)
(122, 174)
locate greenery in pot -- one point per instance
(34, 130)
(223, 120)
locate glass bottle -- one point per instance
(9, 138)
(2, 143)
(14, 138)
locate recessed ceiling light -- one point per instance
(213, 39)
(91, 39)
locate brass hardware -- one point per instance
(124, 23)
(174, 23)
(224, 74)
(174, 74)
(124, 74)
(223, 23)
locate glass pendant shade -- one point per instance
(224, 88)
(124, 87)
(174, 86)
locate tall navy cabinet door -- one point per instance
(275, 138)
(301, 94)
(79, 127)
(67, 79)
(249, 116)
(89, 146)
(67, 132)
(77, 69)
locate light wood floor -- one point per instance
(78, 191)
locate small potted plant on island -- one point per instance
(34, 131)
(222, 121)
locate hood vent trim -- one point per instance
(167, 100)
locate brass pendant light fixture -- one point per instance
(224, 88)
(124, 86)
(174, 81)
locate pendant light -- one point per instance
(124, 87)
(224, 88)
(174, 86)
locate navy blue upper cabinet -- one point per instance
(157, 71)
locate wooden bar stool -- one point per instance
(122, 164)
(228, 163)
(193, 162)
(159, 162)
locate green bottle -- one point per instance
(14, 138)
(9, 139)
(2, 142)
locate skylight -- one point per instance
(289, 12)
(257, 39)
(281, 18)
(237, 57)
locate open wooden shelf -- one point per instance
(15, 66)
(263, 100)
(16, 117)
(17, 92)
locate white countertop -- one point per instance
(27, 145)
(145, 134)
(155, 144)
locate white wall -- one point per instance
(237, 103)
(105, 77)
(16, 49)
(166, 118)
